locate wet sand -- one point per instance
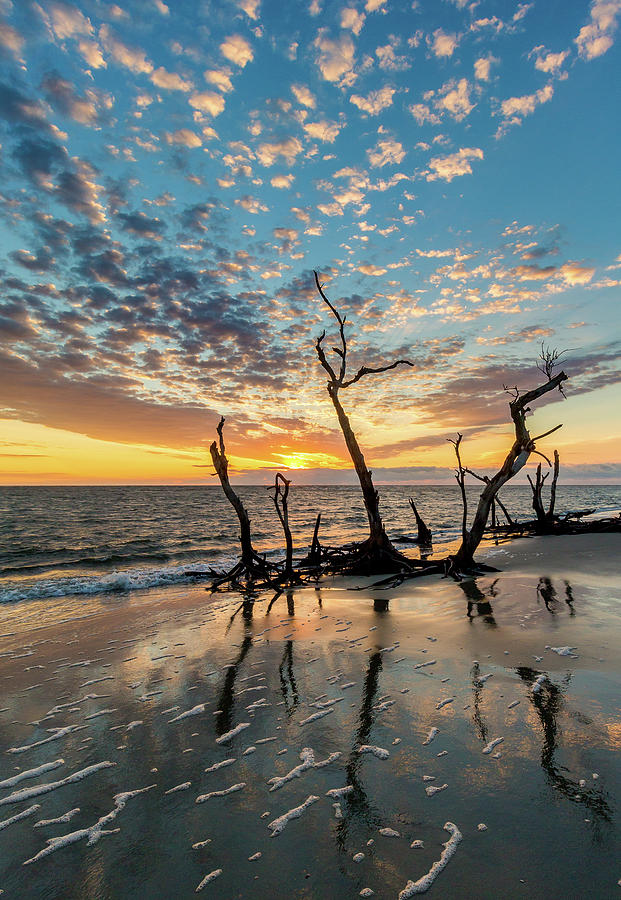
(401, 698)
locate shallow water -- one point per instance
(80, 541)
(547, 834)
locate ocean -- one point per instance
(60, 542)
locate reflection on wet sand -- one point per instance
(359, 810)
(288, 684)
(549, 703)
(478, 602)
(226, 702)
(547, 592)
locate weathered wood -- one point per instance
(424, 536)
(221, 465)
(517, 457)
(377, 553)
(281, 493)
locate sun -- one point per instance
(295, 461)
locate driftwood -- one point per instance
(376, 554)
(523, 446)
(424, 536)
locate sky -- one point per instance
(172, 174)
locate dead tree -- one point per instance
(280, 499)
(517, 457)
(251, 566)
(424, 536)
(545, 517)
(376, 554)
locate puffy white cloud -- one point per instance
(551, 62)
(387, 152)
(482, 67)
(454, 165)
(375, 102)
(251, 204)
(335, 58)
(352, 19)
(389, 60)
(423, 114)
(221, 78)
(133, 58)
(170, 81)
(184, 136)
(287, 148)
(518, 107)
(282, 181)
(207, 102)
(303, 95)
(572, 273)
(374, 5)
(250, 7)
(64, 20)
(455, 99)
(91, 51)
(442, 44)
(370, 269)
(237, 50)
(596, 38)
(323, 131)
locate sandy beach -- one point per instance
(316, 747)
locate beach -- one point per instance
(317, 746)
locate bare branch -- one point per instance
(367, 370)
(546, 433)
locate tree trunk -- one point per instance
(221, 465)
(424, 535)
(553, 488)
(537, 488)
(282, 510)
(378, 539)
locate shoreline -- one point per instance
(380, 675)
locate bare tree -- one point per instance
(545, 517)
(250, 566)
(517, 457)
(377, 552)
(280, 498)
(424, 536)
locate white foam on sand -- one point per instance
(231, 790)
(279, 824)
(424, 883)
(66, 817)
(31, 773)
(489, 747)
(195, 711)
(211, 877)
(432, 733)
(308, 762)
(379, 752)
(221, 765)
(317, 715)
(232, 733)
(55, 735)
(22, 815)
(93, 832)
(39, 789)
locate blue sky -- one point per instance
(172, 174)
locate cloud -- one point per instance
(482, 67)
(282, 181)
(388, 58)
(387, 152)
(573, 273)
(250, 7)
(370, 269)
(454, 165)
(443, 45)
(170, 81)
(551, 62)
(335, 58)
(375, 102)
(79, 191)
(143, 226)
(61, 94)
(237, 50)
(352, 19)
(527, 334)
(251, 204)
(515, 108)
(207, 102)
(455, 99)
(10, 38)
(596, 38)
(184, 136)
(64, 20)
(323, 131)
(221, 78)
(374, 5)
(287, 148)
(91, 51)
(133, 58)
(303, 95)
(423, 114)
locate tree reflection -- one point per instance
(226, 701)
(288, 684)
(479, 602)
(548, 703)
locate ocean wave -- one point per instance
(112, 582)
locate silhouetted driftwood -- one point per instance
(376, 554)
